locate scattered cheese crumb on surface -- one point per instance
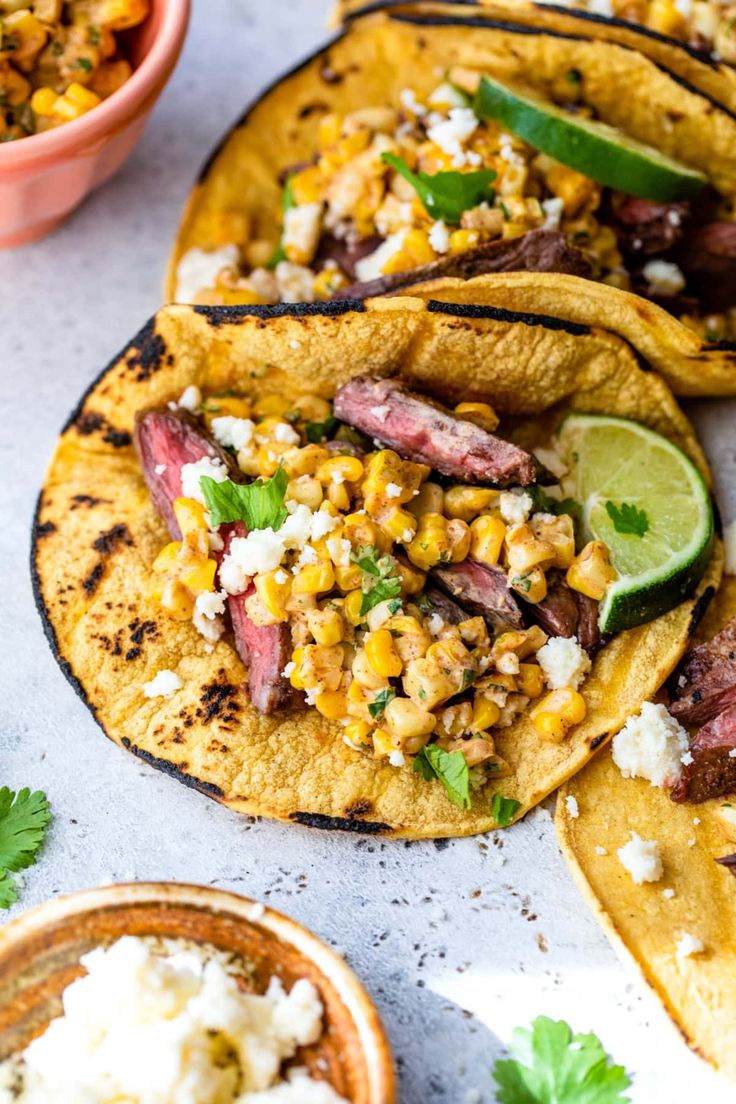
(571, 804)
(600, 850)
(235, 433)
(162, 685)
(668, 894)
(663, 277)
(689, 945)
(160, 469)
(642, 859)
(651, 746)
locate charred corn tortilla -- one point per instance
(97, 534)
(675, 351)
(699, 992)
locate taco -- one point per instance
(363, 172)
(403, 589)
(679, 924)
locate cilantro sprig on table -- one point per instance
(627, 518)
(24, 820)
(446, 195)
(259, 504)
(550, 1065)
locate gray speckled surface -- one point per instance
(457, 943)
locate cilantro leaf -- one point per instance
(628, 519)
(8, 890)
(445, 194)
(24, 818)
(450, 768)
(544, 504)
(383, 590)
(504, 809)
(319, 431)
(378, 706)
(287, 202)
(550, 1065)
(367, 559)
(260, 504)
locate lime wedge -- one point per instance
(648, 502)
(597, 150)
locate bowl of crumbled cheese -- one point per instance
(181, 994)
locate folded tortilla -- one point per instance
(97, 534)
(699, 992)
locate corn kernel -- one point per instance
(353, 602)
(326, 626)
(431, 544)
(306, 490)
(167, 558)
(487, 535)
(358, 732)
(459, 537)
(364, 673)
(271, 406)
(557, 712)
(359, 529)
(81, 97)
(200, 577)
(532, 585)
(430, 500)
(525, 551)
(43, 101)
(480, 413)
(340, 469)
(559, 532)
(339, 496)
(274, 588)
(348, 577)
(404, 719)
(177, 601)
(485, 713)
(467, 502)
(463, 240)
(531, 680)
(383, 744)
(412, 580)
(663, 16)
(219, 406)
(314, 578)
(591, 571)
(381, 654)
(190, 515)
(308, 185)
(332, 704)
(400, 526)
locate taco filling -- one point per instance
(448, 186)
(399, 566)
(707, 25)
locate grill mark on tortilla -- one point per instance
(147, 352)
(89, 501)
(500, 314)
(90, 583)
(89, 422)
(111, 539)
(699, 609)
(340, 824)
(118, 438)
(598, 740)
(44, 529)
(221, 316)
(216, 700)
(174, 770)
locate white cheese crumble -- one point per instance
(446, 95)
(651, 745)
(687, 759)
(439, 237)
(199, 268)
(160, 469)
(381, 412)
(732, 753)
(339, 549)
(563, 662)
(450, 134)
(396, 759)
(515, 508)
(162, 685)
(552, 461)
(668, 894)
(207, 617)
(234, 433)
(302, 226)
(195, 1035)
(286, 434)
(663, 277)
(372, 266)
(408, 99)
(393, 490)
(264, 549)
(689, 945)
(553, 209)
(190, 398)
(571, 804)
(642, 859)
(289, 669)
(295, 282)
(192, 473)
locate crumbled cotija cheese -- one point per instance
(663, 277)
(199, 268)
(234, 433)
(571, 804)
(371, 267)
(190, 398)
(514, 508)
(642, 859)
(689, 945)
(439, 237)
(192, 473)
(651, 745)
(264, 549)
(177, 1029)
(162, 685)
(563, 662)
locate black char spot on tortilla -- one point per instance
(147, 354)
(110, 539)
(340, 824)
(172, 769)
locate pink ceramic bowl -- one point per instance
(44, 177)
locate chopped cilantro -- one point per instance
(521, 582)
(505, 211)
(445, 194)
(504, 809)
(320, 431)
(287, 202)
(379, 568)
(544, 504)
(57, 48)
(383, 590)
(84, 63)
(627, 518)
(469, 677)
(450, 768)
(394, 605)
(24, 820)
(550, 1065)
(368, 560)
(378, 705)
(260, 504)
(93, 35)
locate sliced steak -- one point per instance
(166, 440)
(482, 590)
(712, 772)
(705, 682)
(169, 439)
(566, 612)
(264, 649)
(729, 861)
(535, 251)
(429, 433)
(345, 252)
(643, 226)
(707, 257)
(450, 612)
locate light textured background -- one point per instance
(456, 942)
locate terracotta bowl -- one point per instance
(45, 176)
(40, 952)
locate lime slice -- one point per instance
(597, 150)
(620, 468)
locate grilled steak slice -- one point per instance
(481, 590)
(644, 226)
(712, 772)
(170, 439)
(264, 649)
(535, 251)
(707, 256)
(705, 682)
(729, 861)
(450, 612)
(166, 440)
(566, 612)
(428, 433)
